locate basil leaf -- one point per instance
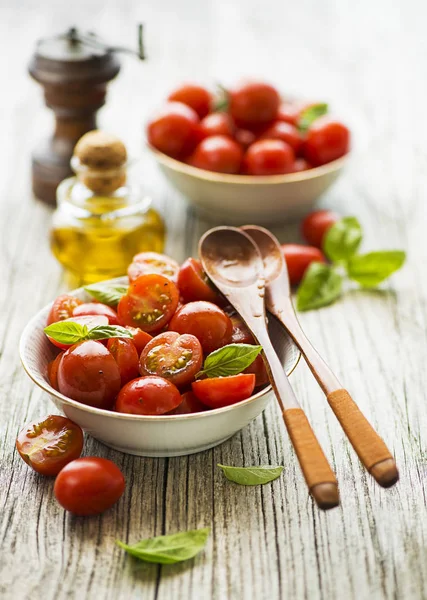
(343, 239)
(320, 286)
(107, 293)
(66, 332)
(251, 475)
(371, 269)
(229, 360)
(310, 114)
(169, 549)
(103, 332)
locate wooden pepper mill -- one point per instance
(74, 69)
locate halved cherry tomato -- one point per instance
(326, 140)
(89, 486)
(280, 130)
(48, 445)
(126, 357)
(96, 308)
(253, 103)
(218, 153)
(269, 157)
(152, 262)
(259, 370)
(217, 123)
(148, 396)
(52, 371)
(89, 374)
(174, 129)
(240, 333)
(90, 321)
(140, 338)
(195, 96)
(175, 357)
(316, 224)
(193, 283)
(299, 258)
(149, 304)
(62, 308)
(223, 391)
(211, 326)
(190, 404)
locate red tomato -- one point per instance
(52, 371)
(316, 224)
(269, 157)
(290, 112)
(174, 130)
(280, 130)
(244, 137)
(126, 357)
(140, 338)
(89, 486)
(190, 404)
(193, 283)
(96, 308)
(217, 123)
(48, 445)
(195, 96)
(253, 103)
(223, 391)
(91, 321)
(259, 370)
(299, 258)
(301, 164)
(211, 326)
(240, 334)
(217, 153)
(149, 304)
(146, 263)
(326, 140)
(62, 308)
(148, 396)
(175, 357)
(89, 374)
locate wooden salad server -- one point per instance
(234, 264)
(368, 445)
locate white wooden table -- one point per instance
(271, 542)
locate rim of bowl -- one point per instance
(177, 165)
(113, 414)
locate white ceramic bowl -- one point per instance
(172, 435)
(238, 199)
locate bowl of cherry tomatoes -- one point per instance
(248, 155)
(142, 363)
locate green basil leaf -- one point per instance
(371, 269)
(310, 114)
(66, 332)
(251, 475)
(103, 332)
(342, 240)
(107, 293)
(229, 360)
(320, 286)
(169, 549)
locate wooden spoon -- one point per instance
(370, 448)
(232, 261)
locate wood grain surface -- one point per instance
(271, 542)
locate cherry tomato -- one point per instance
(217, 153)
(253, 103)
(48, 445)
(126, 357)
(223, 391)
(89, 486)
(217, 123)
(148, 396)
(89, 374)
(299, 258)
(195, 96)
(96, 308)
(140, 338)
(290, 112)
(90, 321)
(62, 308)
(52, 371)
(211, 326)
(326, 140)
(240, 333)
(149, 304)
(190, 404)
(174, 130)
(316, 224)
(244, 137)
(152, 262)
(259, 370)
(269, 157)
(280, 130)
(193, 283)
(175, 357)
(301, 164)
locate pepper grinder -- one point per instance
(74, 69)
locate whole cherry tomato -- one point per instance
(218, 123)
(174, 130)
(316, 224)
(301, 164)
(223, 391)
(48, 445)
(189, 404)
(89, 321)
(195, 96)
(148, 396)
(326, 140)
(173, 356)
(269, 157)
(240, 333)
(193, 283)
(290, 112)
(211, 326)
(280, 130)
(140, 338)
(146, 263)
(299, 258)
(149, 304)
(52, 371)
(253, 103)
(89, 374)
(89, 486)
(259, 370)
(217, 153)
(96, 308)
(126, 357)
(62, 308)
(244, 137)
